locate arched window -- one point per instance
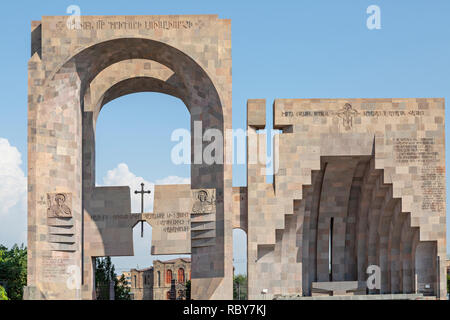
(181, 275)
(159, 278)
(135, 281)
(169, 276)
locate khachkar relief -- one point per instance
(59, 205)
(205, 201)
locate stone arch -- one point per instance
(415, 243)
(311, 266)
(367, 188)
(385, 221)
(199, 91)
(406, 248)
(192, 96)
(65, 94)
(168, 276)
(425, 267)
(117, 89)
(394, 253)
(181, 276)
(378, 220)
(373, 248)
(334, 205)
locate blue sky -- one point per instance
(281, 49)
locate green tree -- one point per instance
(121, 289)
(3, 295)
(13, 270)
(240, 287)
(448, 283)
(105, 274)
(188, 290)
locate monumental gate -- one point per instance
(359, 182)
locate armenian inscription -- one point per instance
(171, 232)
(421, 150)
(433, 188)
(170, 222)
(54, 268)
(129, 25)
(348, 112)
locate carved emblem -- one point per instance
(205, 202)
(59, 205)
(346, 114)
(60, 25)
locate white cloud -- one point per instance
(174, 180)
(13, 183)
(13, 195)
(122, 176)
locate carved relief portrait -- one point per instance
(205, 202)
(59, 205)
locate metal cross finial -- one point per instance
(142, 192)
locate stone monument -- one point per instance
(359, 183)
(74, 71)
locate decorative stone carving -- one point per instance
(205, 202)
(59, 205)
(346, 114)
